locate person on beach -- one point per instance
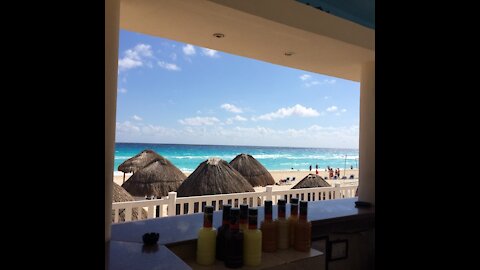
(310, 167)
(316, 171)
(330, 173)
(351, 167)
(316, 166)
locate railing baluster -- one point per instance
(128, 213)
(151, 210)
(116, 215)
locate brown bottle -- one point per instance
(303, 230)
(220, 254)
(269, 230)
(292, 221)
(283, 235)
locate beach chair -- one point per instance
(352, 176)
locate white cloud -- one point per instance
(332, 109)
(139, 132)
(122, 90)
(236, 118)
(210, 52)
(308, 81)
(127, 127)
(297, 110)
(231, 108)
(344, 110)
(311, 83)
(188, 49)
(137, 118)
(168, 66)
(305, 77)
(199, 121)
(135, 57)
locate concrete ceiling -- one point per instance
(263, 30)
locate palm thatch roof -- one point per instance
(252, 170)
(156, 179)
(119, 194)
(139, 161)
(311, 181)
(214, 176)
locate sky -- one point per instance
(173, 92)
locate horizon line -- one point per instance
(238, 145)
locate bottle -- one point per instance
(292, 221)
(282, 226)
(303, 230)
(234, 241)
(220, 246)
(269, 230)
(206, 239)
(243, 217)
(252, 240)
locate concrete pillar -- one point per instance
(366, 182)
(112, 14)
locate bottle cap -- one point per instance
(243, 211)
(294, 200)
(252, 218)
(226, 212)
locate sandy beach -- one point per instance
(277, 176)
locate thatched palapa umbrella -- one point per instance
(138, 162)
(252, 170)
(214, 176)
(119, 194)
(311, 181)
(157, 179)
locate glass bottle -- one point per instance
(234, 241)
(252, 240)
(269, 230)
(292, 221)
(282, 226)
(303, 230)
(206, 239)
(220, 254)
(243, 217)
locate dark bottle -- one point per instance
(294, 200)
(269, 230)
(303, 230)
(220, 254)
(234, 241)
(243, 217)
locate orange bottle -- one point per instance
(269, 230)
(303, 230)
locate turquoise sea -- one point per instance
(188, 157)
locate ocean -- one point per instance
(187, 157)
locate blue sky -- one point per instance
(172, 92)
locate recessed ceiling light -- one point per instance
(289, 53)
(218, 35)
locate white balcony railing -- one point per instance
(171, 205)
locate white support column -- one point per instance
(112, 15)
(366, 182)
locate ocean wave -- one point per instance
(229, 157)
(123, 157)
